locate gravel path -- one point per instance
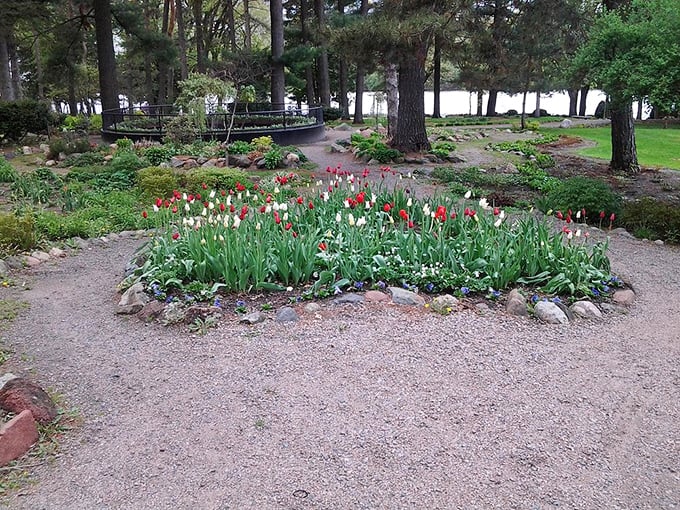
(370, 406)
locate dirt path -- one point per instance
(371, 406)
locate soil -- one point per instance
(355, 406)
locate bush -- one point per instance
(373, 147)
(239, 147)
(215, 178)
(181, 129)
(330, 113)
(273, 158)
(85, 159)
(20, 117)
(68, 144)
(652, 219)
(157, 181)
(577, 193)
(7, 171)
(16, 232)
(157, 154)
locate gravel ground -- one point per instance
(369, 406)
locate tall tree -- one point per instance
(106, 58)
(360, 78)
(278, 77)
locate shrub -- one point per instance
(261, 143)
(215, 178)
(30, 188)
(373, 147)
(85, 159)
(68, 144)
(7, 171)
(157, 154)
(273, 158)
(16, 232)
(330, 113)
(537, 178)
(652, 219)
(577, 193)
(296, 151)
(20, 117)
(181, 129)
(157, 181)
(239, 147)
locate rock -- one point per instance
(516, 304)
(566, 124)
(4, 268)
(659, 242)
(190, 163)
(152, 310)
(343, 127)
(56, 252)
(456, 158)
(586, 310)
(50, 162)
(17, 436)
(367, 133)
(444, 304)
(61, 156)
(414, 160)
(623, 232)
(550, 313)
(238, 160)
(287, 314)
(31, 261)
(26, 150)
(20, 393)
(292, 159)
(173, 313)
(252, 318)
(113, 236)
(41, 256)
(507, 168)
(176, 162)
(13, 262)
(44, 148)
(6, 377)
(201, 160)
(432, 158)
(337, 149)
(81, 244)
(375, 296)
(624, 297)
(312, 307)
(565, 310)
(211, 163)
(482, 308)
(133, 300)
(108, 157)
(349, 298)
(260, 163)
(405, 297)
(202, 313)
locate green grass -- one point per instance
(656, 146)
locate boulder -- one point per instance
(133, 300)
(456, 158)
(20, 394)
(508, 168)
(624, 297)
(343, 127)
(152, 310)
(17, 436)
(287, 314)
(516, 304)
(4, 268)
(312, 307)
(56, 252)
(201, 312)
(292, 159)
(550, 313)
(41, 256)
(405, 297)
(586, 310)
(566, 124)
(375, 296)
(239, 160)
(444, 304)
(252, 318)
(349, 298)
(4, 378)
(337, 148)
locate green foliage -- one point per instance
(536, 178)
(17, 232)
(578, 193)
(296, 151)
(7, 171)
(330, 113)
(125, 145)
(181, 130)
(85, 159)
(157, 181)
(68, 144)
(31, 189)
(652, 219)
(20, 117)
(157, 154)
(215, 178)
(373, 147)
(261, 143)
(82, 123)
(273, 158)
(239, 147)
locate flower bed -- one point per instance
(348, 233)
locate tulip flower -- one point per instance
(145, 214)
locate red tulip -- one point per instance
(601, 215)
(174, 210)
(232, 208)
(322, 246)
(410, 224)
(300, 200)
(310, 205)
(204, 186)
(496, 211)
(559, 215)
(288, 226)
(175, 236)
(612, 217)
(387, 207)
(403, 214)
(222, 207)
(145, 214)
(159, 202)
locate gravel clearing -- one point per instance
(357, 406)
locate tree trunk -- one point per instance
(359, 95)
(323, 77)
(181, 40)
(16, 72)
(582, 104)
(37, 56)
(231, 24)
(278, 78)
(537, 111)
(480, 101)
(342, 75)
(411, 135)
(71, 91)
(573, 101)
(640, 104)
(491, 103)
(309, 70)
(524, 110)
(6, 85)
(201, 65)
(624, 152)
(437, 79)
(392, 92)
(106, 57)
(162, 66)
(247, 42)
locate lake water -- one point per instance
(459, 102)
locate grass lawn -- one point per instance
(656, 146)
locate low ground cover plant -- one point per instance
(349, 234)
(373, 147)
